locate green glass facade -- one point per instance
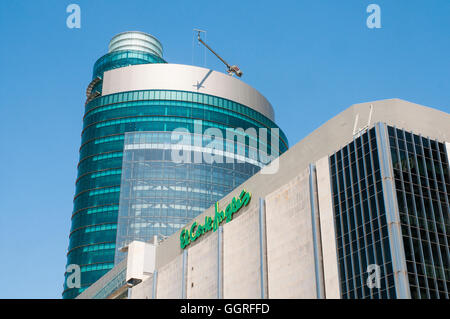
(159, 196)
(92, 242)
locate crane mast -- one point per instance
(233, 69)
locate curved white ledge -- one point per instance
(162, 76)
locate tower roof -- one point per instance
(136, 40)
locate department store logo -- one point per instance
(188, 236)
(256, 146)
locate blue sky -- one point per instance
(310, 58)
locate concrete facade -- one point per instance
(241, 257)
(283, 244)
(290, 250)
(202, 269)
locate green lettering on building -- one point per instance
(188, 236)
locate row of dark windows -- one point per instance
(360, 221)
(420, 169)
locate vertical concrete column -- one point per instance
(327, 230)
(220, 263)
(315, 221)
(447, 148)
(155, 282)
(263, 248)
(184, 274)
(392, 214)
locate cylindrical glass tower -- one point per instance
(129, 184)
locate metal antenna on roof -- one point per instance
(196, 32)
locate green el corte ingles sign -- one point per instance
(188, 236)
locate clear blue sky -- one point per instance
(310, 58)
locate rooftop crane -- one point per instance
(230, 69)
